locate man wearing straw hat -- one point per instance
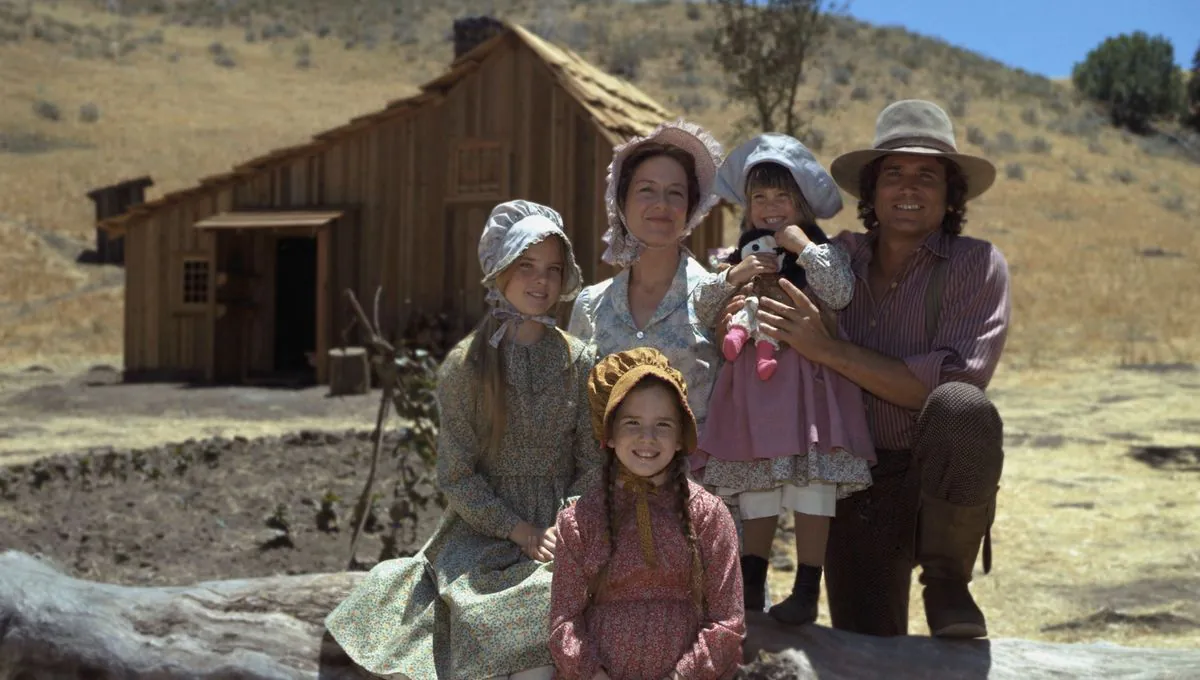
(922, 337)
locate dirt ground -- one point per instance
(1096, 535)
(206, 510)
(44, 410)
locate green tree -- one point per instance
(762, 47)
(1135, 76)
(1193, 93)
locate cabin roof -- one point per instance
(620, 109)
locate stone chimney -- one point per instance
(470, 32)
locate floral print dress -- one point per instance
(470, 604)
(681, 328)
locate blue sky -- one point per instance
(1040, 36)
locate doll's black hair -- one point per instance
(792, 271)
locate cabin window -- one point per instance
(478, 170)
(195, 282)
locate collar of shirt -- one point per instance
(860, 260)
(676, 295)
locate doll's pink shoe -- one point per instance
(765, 354)
(735, 340)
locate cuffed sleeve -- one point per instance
(827, 270)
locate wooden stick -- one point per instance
(386, 369)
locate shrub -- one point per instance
(1135, 76)
(1003, 143)
(841, 75)
(624, 58)
(1124, 176)
(1193, 93)
(958, 105)
(47, 110)
(89, 113)
(692, 101)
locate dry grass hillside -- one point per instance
(1098, 226)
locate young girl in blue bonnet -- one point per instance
(784, 434)
(515, 446)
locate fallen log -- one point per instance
(55, 626)
(777, 652)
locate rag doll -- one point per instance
(744, 326)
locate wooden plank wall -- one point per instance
(161, 334)
(391, 178)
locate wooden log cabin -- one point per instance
(240, 278)
(110, 201)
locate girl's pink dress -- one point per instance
(643, 622)
(804, 410)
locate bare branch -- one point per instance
(385, 363)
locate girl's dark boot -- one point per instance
(754, 582)
(801, 606)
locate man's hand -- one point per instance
(801, 326)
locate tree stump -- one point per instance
(349, 371)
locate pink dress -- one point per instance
(806, 423)
(643, 623)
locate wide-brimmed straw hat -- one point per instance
(913, 126)
(623, 248)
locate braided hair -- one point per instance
(682, 494)
(679, 477)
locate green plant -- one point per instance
(1135, 76)
(1193, 93)
(408, 375)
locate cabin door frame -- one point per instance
(244, 315)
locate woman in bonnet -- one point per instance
(660, 187)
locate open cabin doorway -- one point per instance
(271, 316)
(295, 309)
